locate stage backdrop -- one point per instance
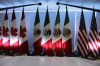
(74, 18)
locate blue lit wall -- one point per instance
(74, 15)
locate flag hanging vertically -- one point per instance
(6, 38)
(46, 39)
(66, 38)
(57, 40)
(14, 42)
(23, 41)
(99, 42)
(37, 38)
(93, 37)
(82, 46)
(1, 46)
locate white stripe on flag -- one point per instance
(95, 42)
(82, 45)
(81, 50)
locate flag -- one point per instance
(99, 42)
(23, 41)
(46, 39)
(6, 38)
(93, 37)
(57, 40)
(82, 37)
(1, 46)
(37, 38)
(66, 38)
(14, 42)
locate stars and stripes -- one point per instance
(93, 36)
(82, 38)
(99, 42)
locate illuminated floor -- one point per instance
(46, 61)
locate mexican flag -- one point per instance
(57, 38)
(6, 38)
(23, 41)
(46, 39)
(66, 38)
(14, 43)
(1, 46)
(37, 37)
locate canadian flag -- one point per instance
(23, 41)
(57, 37)
(6, 38)
(66, 37)
(14, 43)
(1, 46)
(37, 37)
(46, 39)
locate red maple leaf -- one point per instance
(14, 31)
(5, 31)
(0, 31)
(22, 32)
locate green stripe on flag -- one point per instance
(47, 20)
(66, 17)
(37, 19)
(57, 17)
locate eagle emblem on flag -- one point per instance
(37, 32)
(57, 32)
(66, 32)
(47, 32)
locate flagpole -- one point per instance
(97, 10)
(19, 6)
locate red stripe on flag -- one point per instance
(6, 46)
(84, 33)
(24, 47)
(92, 45)
(58, 47)
(1, 48)
(37, 47)
(81, 49)
(82, 40)
(14, 47)
(48, 47)
(67, 47)
(99, 42)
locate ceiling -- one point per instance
(51, 3)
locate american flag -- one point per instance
(82, 38)
(93, 37)
(99, 42)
